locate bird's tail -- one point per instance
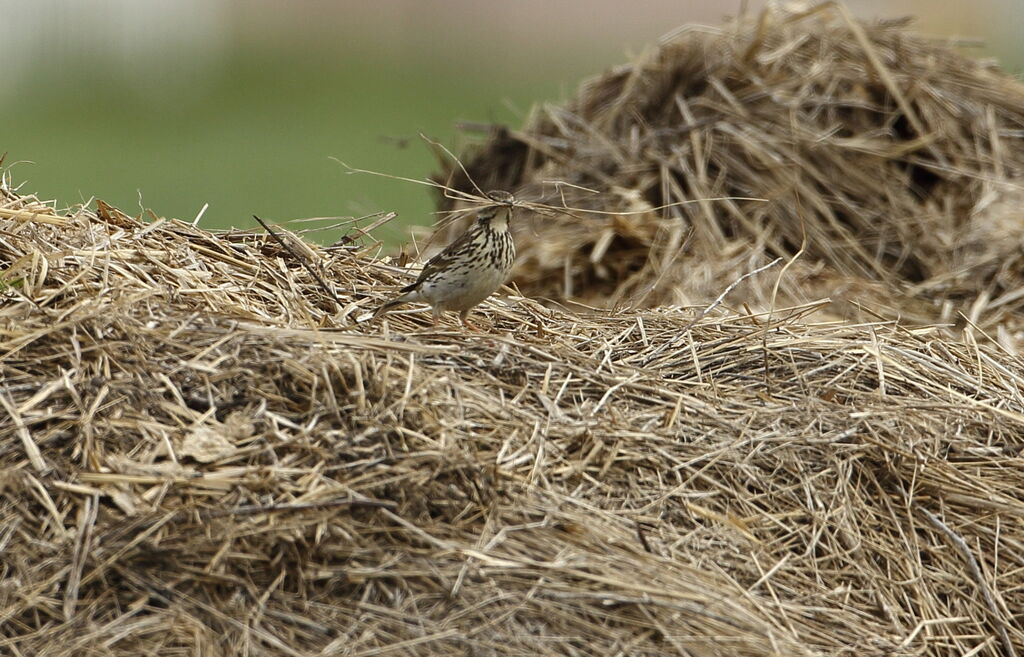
(388, 305)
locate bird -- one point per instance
(469, 269)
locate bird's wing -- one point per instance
(441, 261)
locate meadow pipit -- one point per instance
(469, 269)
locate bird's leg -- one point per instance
(464, 316)
(435, 315)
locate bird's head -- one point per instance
(496, 216)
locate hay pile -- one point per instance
(200, 454)
(897, 158)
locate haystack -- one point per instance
(200, 453)
(893, 160)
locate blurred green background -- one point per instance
(241, 104)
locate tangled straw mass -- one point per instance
(202, 452)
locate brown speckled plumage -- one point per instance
(469, 269)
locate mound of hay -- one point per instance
(898, 160)
(192, 462)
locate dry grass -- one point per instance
(893, 159)
(194, 464)
(202, 453)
